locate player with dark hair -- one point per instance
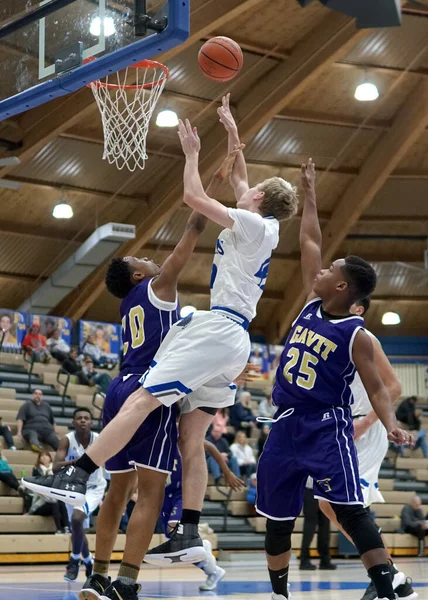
(371, 442)
(312, 432)
(72, 447)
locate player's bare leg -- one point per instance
(185, 544)
(151, 486)
(108, 521)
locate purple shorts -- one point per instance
(154, 445)
(318, 445)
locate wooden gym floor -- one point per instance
(243, 580)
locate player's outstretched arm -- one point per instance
(239, 176)
(194, 194)
(61, 453)
(390, 381)
(232, 480)
(364, 360)
(310, 231)
(165, 285)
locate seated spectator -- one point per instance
(91, 349)
(241, 415)
(414, 522)
(34, 343)
(7, 476)
(266, 409)
(252, 489)
(406, 413)
(263, 437)
(47, 507)
(71, 364)
(221, 419)
(244, 454)
(223, 447)
(88, 376)
(36, 423)
(7, 434)
(6, 326)
(58, 348)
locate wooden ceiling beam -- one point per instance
(399, 299)
(408, 125)
(46, 122)
(332, 38)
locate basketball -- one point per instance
(220, 59)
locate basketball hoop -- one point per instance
(126, 101)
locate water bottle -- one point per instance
(23, 473)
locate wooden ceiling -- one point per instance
(293, 99)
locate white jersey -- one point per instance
(241, 262)
(76, 450)
(362, 405)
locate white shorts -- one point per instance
(371, 449)
(94, 495)
(199, 359)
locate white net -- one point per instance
(126, 101)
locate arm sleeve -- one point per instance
(249, 226)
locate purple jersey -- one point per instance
(316, 366)
(145, 322)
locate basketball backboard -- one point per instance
(43, 45)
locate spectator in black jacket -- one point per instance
(241, 415)
(216, 437)
(406, 413)
(414, 522)
(88, 376)
(70, 365)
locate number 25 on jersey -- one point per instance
(306, 375)
(136, 325)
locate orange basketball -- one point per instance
(220, 58)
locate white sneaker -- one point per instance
(212, 580)
(280, 596)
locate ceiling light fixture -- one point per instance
(109, 28)
(167, 118)
(391, 318)
(366, 92)
(186, 311)
(62, 211)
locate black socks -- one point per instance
(87, 464)
(279, 581)
(190, 517)
(382, 580)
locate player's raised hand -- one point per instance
(225, 169)
(401, 437)
(233, 481)
(225, 114)
(189, 138)
(308, 175)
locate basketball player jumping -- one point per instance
(72, 447)
(371, 442)
(202, 354)
(312, 432)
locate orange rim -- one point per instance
(144, 64)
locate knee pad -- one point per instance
(278, 536)
(357, 523)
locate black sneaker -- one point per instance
(370, 593)
(405, 591)
(327, 566)
(307, 565)
(72, 570)
(121, 591)
(184, 546)
(94, 587)
(68, 485)
(89, 567)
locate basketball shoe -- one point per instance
(72, 570)
(185, 545)
(94, 587)
(68, 485)
(121, 591)
(280, 596)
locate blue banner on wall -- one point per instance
(13, 324)
(48, 324)
(106, 336)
